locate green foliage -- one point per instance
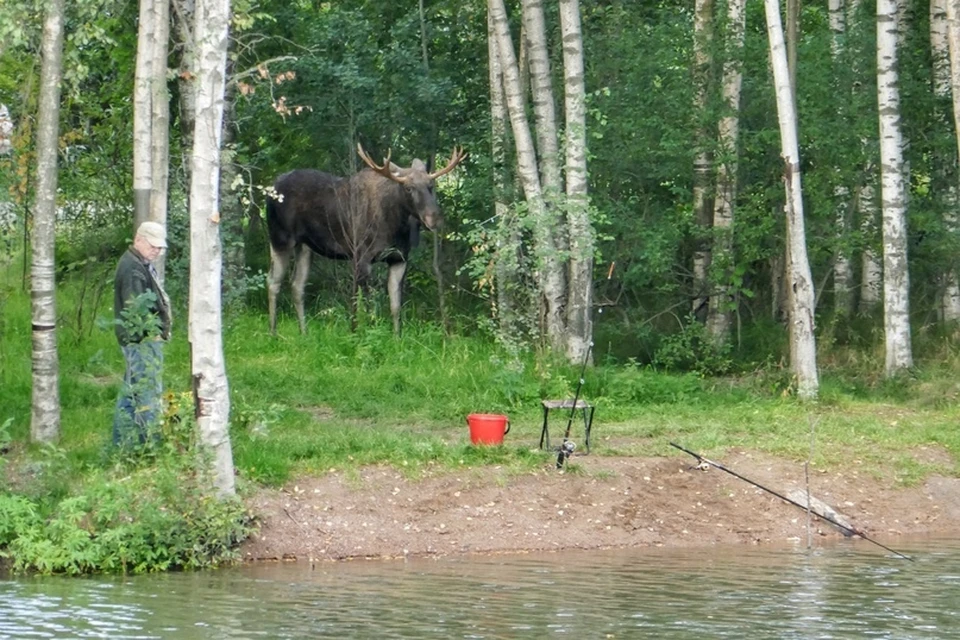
(692, 349)
(131, 518)
(139, 512)
(138, 318)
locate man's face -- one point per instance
(147, 250)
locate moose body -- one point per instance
(371, 216)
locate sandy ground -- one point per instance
(595, 502)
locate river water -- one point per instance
(850, 589)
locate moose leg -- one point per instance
(395, 274)
(278, 266)
(300, 273)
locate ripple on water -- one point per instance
(845, 590)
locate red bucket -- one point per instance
(488, 428)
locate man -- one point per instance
(143, 322)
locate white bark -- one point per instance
(541, 89)
(896, 280)
(803, 347)
(550, 277)
(871, 271)
(159, 123)
(871, 276)
(45, 407)
(945, 42)
(507, 242)
(842, 264)
(211, 393)
(143, 112)
(719, 317)
(580, 282)
(702, 61)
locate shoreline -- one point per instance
(606, 503)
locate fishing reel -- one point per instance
(565, 451)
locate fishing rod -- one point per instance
(851, 530)
(568, 446)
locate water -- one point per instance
(849, 590)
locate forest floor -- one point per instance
(595, 502)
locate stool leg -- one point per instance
(544, 435)
(588, 425)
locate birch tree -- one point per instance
(871, 268)
(184, 19)
(142, 113)
(944, 34)
(842, 265)
(45, 412)
(160, 124)
(702, 162)
(507, 239)
(580, 281)
(211, 393)
(896, 277)
(866, 211)
(548, 162)
(549, 274)
(541, 89)
(151, 118)
(721, 301)
(803, 348)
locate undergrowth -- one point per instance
(134, 513)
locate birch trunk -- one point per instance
(45, 404)
(231, 208)
(792, 35)
(143, 112)
(722, 301)
(871, 276)
(580, 282)
(896, 280)
(866, 209)
(160, 124)
(803, 348)
(702, 161)
(184, 17)
(842, 265)
(211, 393)
(541, 88)
(506, 267)
(946, 45)
(550, 278)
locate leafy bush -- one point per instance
(153, 519)
(151, 511)
(693, 350)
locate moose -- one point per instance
(371, 216)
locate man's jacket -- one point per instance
(135, 277)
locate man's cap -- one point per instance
(154, 233)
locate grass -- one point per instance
(340, 399)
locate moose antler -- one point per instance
(383, 170)
(455, 158)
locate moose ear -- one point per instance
(419, 166)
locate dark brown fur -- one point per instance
(372, 216)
